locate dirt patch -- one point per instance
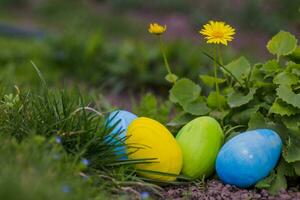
(216, 190)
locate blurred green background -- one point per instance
(104, 44)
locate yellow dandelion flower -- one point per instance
(217, 32)
(157, 29)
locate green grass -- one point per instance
(38, 168)
(53, 146)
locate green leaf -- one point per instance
(296, 166)
(292, 65)
(219, 115)
(257, 120)
(211, 81)
(266, 182)
(292, 124)
(285, 78)
(240, 68)
(197, 107)
(271, 66)
(295, 56)
(291, 151)
(257, 73)
(184, 92)
(283, 43)
(243, 117)
(238, 99)
(293, 68)
(172, 78)
(286, 94)
(214, 100)
(285, 168)
(180, 120)
(278, 183)
(281, 108)
(150, 106)
(296, 71)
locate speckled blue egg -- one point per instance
(120, 120)
(248, 157)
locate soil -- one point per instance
(215, 190)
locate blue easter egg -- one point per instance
(248, 157)
(119, 120)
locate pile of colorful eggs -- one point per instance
(197, 151)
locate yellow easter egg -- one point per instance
(148, 139)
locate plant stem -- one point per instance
(228, 80)
(223, 67)
(216, 77)
(164, 55)
(249, 77)
(219, 55)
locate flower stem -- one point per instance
(224, 68)
(219, 55)
(216, 77)
(164, 55)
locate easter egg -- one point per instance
(152, 142)
(248, 157)
(119, 120)
(200, 141)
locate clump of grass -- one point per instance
(60, 137)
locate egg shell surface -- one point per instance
(148, 139)
(248, 157)
(200, 141)
(121, 120)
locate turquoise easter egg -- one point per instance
(200, 141)
(248, 157)
(119, 120)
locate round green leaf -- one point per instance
(214, 100)
(240, 68)
(271, 66)
(286, 94)
(211, 81)
(171, 78)
(184, 91)
(237, 99)
(285, 78)
(281, 108)
(197, 107)
(282, 44)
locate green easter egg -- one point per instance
(200, 141)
